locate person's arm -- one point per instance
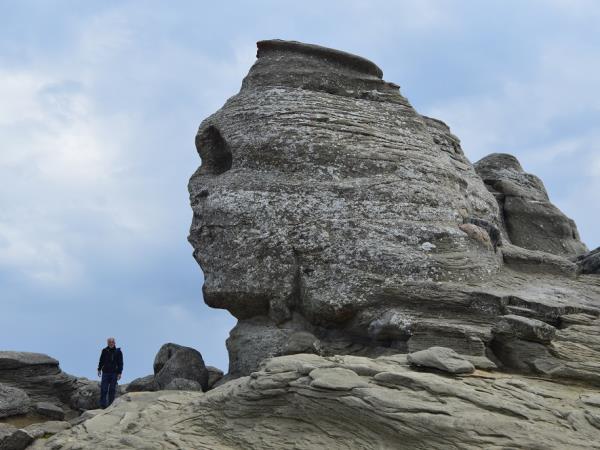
(119, 364)
(100, 362)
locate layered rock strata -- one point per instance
(307, 402)
(39, 380)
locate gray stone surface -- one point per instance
(326, 206)
(183, 384)
(589, 262)
(530, 220)
(13, 401)
(513, 326)
(389, 406)
(146, 383)
(46, 429)
(49, 410)
(40, 377)
(5, 431)
(177, 368)
(19, 440)
(441, 358)
(214, 375)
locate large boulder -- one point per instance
(177, 368)
(176, 362)
(332, 218)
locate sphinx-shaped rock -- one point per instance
(326, 207)
(321, 187)
(530, 220)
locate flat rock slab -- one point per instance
(15, 360)
(524, 328)
(49, 410)
(441, 358)
(336, 378)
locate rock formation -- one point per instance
(39, 379)
(528, 217)
(388, 293)
(39, 397)
(330, 217)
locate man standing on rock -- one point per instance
(110, 368)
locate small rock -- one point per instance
(87, 395)
(182, 384)
(336, 378)
(5, 431)
(214, 375)
(44, 429)
(441, 358)
(524, 328)
(86, 415)
(49, 410)
(19, 440)
(141, 384)
(302, 342)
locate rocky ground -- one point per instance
(345, 402)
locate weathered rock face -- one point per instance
(331, 218)
(308, 402)
(530, 220)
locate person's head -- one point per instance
(111, 342)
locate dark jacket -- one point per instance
(111, 360)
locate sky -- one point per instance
(99, 106)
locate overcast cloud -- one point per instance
(100, 102)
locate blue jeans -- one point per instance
(108, 388)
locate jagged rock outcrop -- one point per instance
(529, 219)
(307, 402)
(40, 378)
(327, 207)
(175, 368)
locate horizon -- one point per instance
(100, 108)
